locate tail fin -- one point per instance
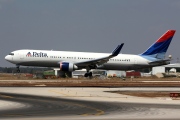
(159, 48)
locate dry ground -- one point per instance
(22, 80)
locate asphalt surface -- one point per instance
(49, 106)
(60, 108)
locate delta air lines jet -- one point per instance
(70, 61)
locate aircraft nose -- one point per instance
(7, 58)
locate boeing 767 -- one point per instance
(70, 61)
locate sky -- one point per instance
(87, 25)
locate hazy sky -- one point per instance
(87, 25)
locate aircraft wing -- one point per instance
(99, 61)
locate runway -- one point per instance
(40, 104)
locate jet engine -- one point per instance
(65, 66)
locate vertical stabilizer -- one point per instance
(159, 48)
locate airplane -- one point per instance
(68, 61)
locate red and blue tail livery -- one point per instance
(159, 48)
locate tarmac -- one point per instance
(85, 103)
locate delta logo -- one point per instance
(28, 54)
(36, 54)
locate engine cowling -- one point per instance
(66, 66)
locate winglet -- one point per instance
(116, 51)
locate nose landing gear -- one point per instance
(17, 69)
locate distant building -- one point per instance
(115, 73)
(166, 68)
(80, 73)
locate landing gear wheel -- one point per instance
(18, 70)
(88, 74)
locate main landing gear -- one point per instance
(88, 74)
(17, 69)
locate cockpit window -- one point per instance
(11, 53)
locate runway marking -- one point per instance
(58, 92)
(98, 111)
(12, 115)
(5, 96)
(85, 114)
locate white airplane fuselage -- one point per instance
(44, 58)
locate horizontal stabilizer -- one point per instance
(166, 61)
